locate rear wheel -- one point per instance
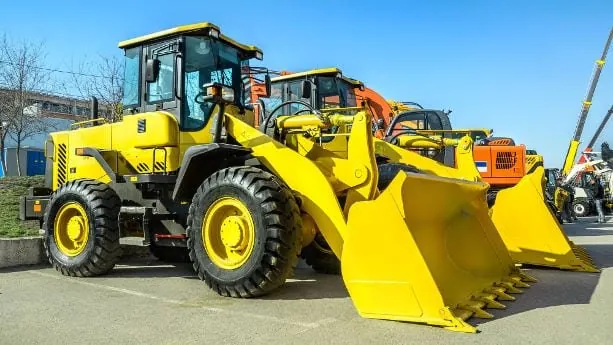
(320, 257)
(244, 232)
(491, 197)
(81, 233)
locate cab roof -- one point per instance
(320, 71)
(198, 28)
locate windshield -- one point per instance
(208, 61)
(427, 120)
(335, 93)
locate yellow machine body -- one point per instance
(527, 226)
(128, 150)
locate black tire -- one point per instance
(277, 224)
(169, 254)
(491, 198)
(320, 257)
(388, 171)
(581, 208)
(102, 249)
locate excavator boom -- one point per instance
(585, 108)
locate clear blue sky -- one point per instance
(518, 67)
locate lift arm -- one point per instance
(585, 108)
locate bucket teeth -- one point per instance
(524, 277)
(587, 263)
(500, 292)
(475, 308)
(509, 287)
(462, 314)
(517, 282)
(490, 301)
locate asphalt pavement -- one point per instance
(144, 301)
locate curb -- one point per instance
(21, 251)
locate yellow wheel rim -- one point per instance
(228, 233)
(71, 229)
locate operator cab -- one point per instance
(321, 89)
(425, 120)
(166, 71)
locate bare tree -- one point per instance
(102, 79)
(21, 75)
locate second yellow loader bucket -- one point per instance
(432, 255)
(531, 231)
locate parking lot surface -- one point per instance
(144, 301)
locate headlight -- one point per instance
(259, 55)
(227, 94)
(216, 91)
(214, 33)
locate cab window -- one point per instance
(131, 81)
(295, 88)
(329, 96)
(207, 61)
(275, 98)
(335, 93)
(410, 121)
(162, 89)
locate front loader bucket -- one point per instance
(426, 251)
(531, 231)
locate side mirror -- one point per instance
(152, 70)
(305, 88)
(93, 114)
(268, 85)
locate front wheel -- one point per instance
(244, 231)
(581, 208)
(388, 171)
(320, 257)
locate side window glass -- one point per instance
(434, 122)
(246, 81)
(329, 93)
(413, 121)
(275, 98)
(195, 114)
(294, 95)
(131, 77)
(162, 89)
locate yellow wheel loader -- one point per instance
(522, 217)
(186, 167)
